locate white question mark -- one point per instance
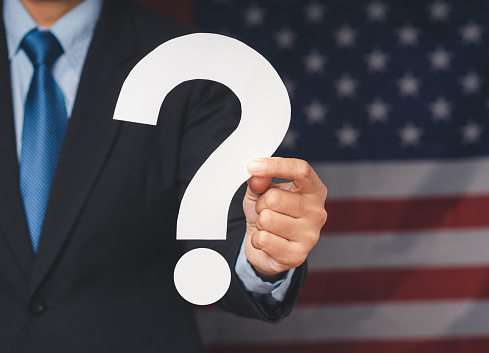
(202, 276)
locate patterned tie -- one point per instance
(45, 121)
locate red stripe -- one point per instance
(407, 214)
(360, 286)
(455, 345)
(180, 10)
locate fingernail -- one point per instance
(256, 166)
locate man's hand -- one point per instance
(283, 220)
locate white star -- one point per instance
(345, 36)
(408, 85)
(376, 61)
(410, 135)
(377, 110)
(439, 11)
(440, 109)
(316, 112)
(471, 33)
(285, 38)
(254, 16)
(440, 59)
(290, 140)
(314, 13)
(347, 136)
(346, 86)
(408, 35)
(291, 86)
(315, 63)
(376, 11)
(471, 83)
(471, 133)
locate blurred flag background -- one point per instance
(390, 105)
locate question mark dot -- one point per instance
(202, 276)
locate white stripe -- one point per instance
(414, 320)
(465, 247)
(399, 179)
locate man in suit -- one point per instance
(87, 265)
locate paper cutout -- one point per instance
(264, 121)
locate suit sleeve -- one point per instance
(212, 113)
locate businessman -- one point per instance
(88, 205)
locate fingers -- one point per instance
(299, 171)
(283, 220)
(294, 230)
(292, 204)
(279, 224)
(257, 186)
(282, 201)
(284, 253)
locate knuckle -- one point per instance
(324, 191)
(266, 218)
(325, 218)
(258, 207)
(303, 169)
(313, 239)
(322, 216)
(319, 215)
(272, 198)
(255, 240)
(261, 239)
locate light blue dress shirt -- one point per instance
(74, 32)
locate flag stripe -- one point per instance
(466, 344)
(405, 214)
(390, 106)
(362, 286)
(441, 248)
(395, 179)
(420, 320)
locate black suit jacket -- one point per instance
(102, 280)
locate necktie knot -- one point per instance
(41, 47)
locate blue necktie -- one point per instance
(45, 121)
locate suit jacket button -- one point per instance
(37, 307)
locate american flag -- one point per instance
(390, 106)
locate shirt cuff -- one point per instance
(274, 292)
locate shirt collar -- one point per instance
(74, 30)
(18, 22)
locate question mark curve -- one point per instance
(202, 276)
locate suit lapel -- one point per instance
(12, 217)
(90, 134)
